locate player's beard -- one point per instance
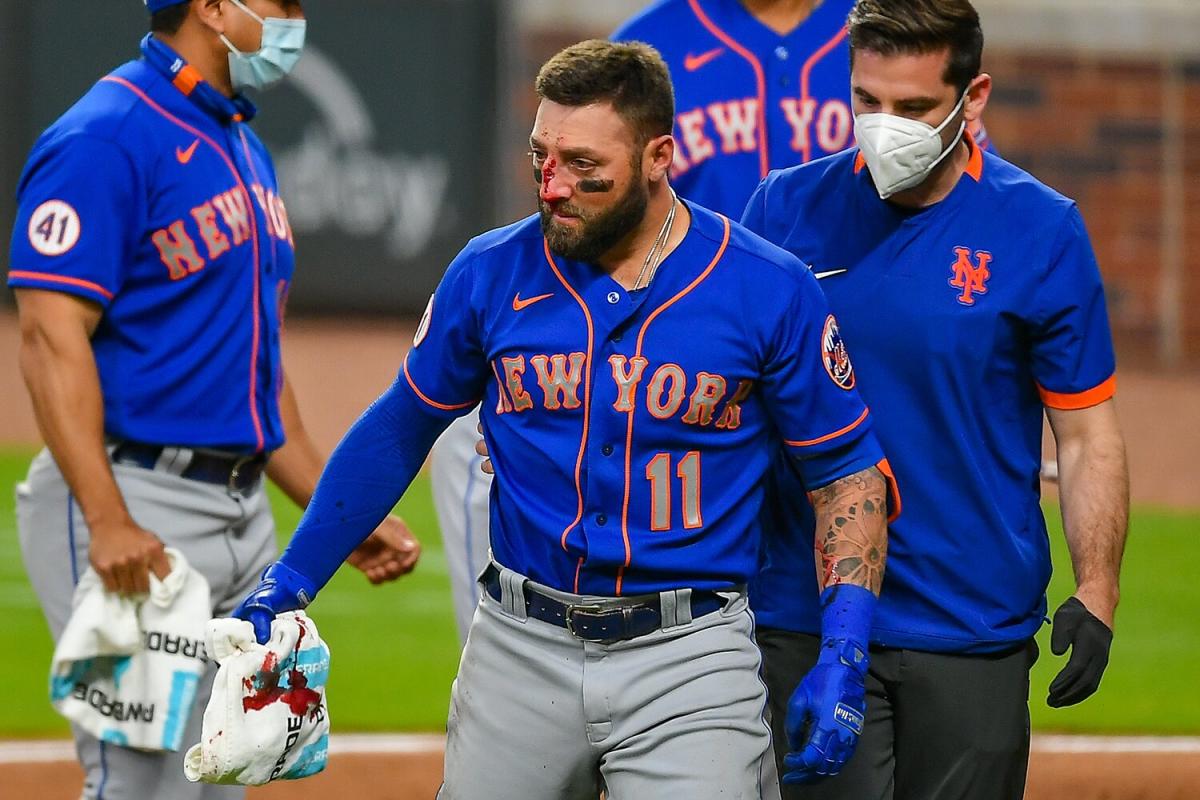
(598, 232)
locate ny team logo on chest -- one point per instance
(970, 273)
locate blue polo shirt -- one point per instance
(152, 198)
(965, 321)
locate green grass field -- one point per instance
(395, 650)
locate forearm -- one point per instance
(850, 542)
(64, 386)
(365, 477)
(296, 466)
(1094, 497)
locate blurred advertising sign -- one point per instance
(384, 139)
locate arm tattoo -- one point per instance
(851, 535)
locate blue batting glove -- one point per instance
(280, 589)
(826, 713)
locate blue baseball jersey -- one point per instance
(965, 319)
(748, 100)
(630, 431)
(153, 198)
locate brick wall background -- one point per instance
(1096, 128)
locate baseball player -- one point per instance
(732, 124)
(151, 259)
(972, 302)
(759, 85)
(637, 357)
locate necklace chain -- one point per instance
(655, 256)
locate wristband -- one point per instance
(846, 612)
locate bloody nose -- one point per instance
(548, 171)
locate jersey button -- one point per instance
(614, 298)
(601, 519)
(781, 53)
(607, 449)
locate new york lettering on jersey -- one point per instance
(209, 249)
(646, 416)
(1003, 300)
(748, 99)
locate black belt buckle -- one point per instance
(613, 624)
(594, 611)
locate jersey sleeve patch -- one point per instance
(423, 326)
(1073, 401)
(835, 355)
(54, 228)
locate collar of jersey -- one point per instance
(170, 64)
(734, 20)
(965, 186)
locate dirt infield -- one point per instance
(339, 366)
(1052, 776)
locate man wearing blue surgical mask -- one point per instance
(970, 304)
(151, 260)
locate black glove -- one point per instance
(1089, 640)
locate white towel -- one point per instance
(267, 718)
(126, 668)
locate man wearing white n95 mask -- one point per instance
(971, 303)
(901, 152)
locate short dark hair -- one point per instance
(632, 76)
(891, 27)
(170, 19)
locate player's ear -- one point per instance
(978, 91)
(657, 157)
(211, 14)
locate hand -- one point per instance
(1089, 640)
(389, 552)
(280, 589)
(124, 554)
(482, 449)
(826, 713)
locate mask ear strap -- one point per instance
(962, 126)
(230, 45)
(954, 111)
(949, 149)
(245, 8)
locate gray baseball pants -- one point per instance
(461, 496)
(537, 714)
(228, 538)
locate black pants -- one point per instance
(939, 726)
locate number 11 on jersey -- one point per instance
(658, 472)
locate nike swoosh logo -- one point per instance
(692, 63)
(184, 156)
(519, 304)
(828, 273)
